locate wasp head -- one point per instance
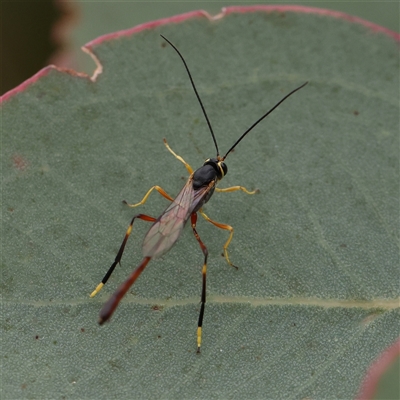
(219, 166)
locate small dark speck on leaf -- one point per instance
(355, 112)
(23, 386)
(37, 337)
(10, 209)
(343, 245)
(156, 308)
(82, 329)
(163, 44)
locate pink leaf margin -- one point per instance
(89, 47)
(377, 369)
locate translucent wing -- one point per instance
(166, 230)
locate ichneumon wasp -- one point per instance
(166, 229)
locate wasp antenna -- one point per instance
(259, 120)
(197, 94)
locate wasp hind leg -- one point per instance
(114, 300)
(204, 274)
(120, 252)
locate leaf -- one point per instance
(382, 379)
(99, 18)
(316, 296)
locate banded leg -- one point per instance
(235, 188)
(120, 252)
(159, 190)
(225, 227)
(188, 167)
(109, 308)
(204, 274)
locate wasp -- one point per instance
(167, 228)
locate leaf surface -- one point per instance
(316, 296)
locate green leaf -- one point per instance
(382, 379)
(99, 18)
(316, 296)
(388, 387)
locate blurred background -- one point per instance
(36, 33)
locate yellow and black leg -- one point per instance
(204, 274)
(120, 252)
(225, 227)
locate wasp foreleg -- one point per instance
(235, 188)
(188, 167)
(159, 190)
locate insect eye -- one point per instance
(224, 168)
